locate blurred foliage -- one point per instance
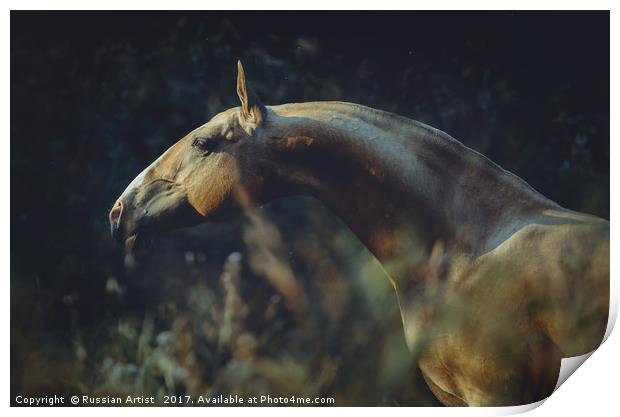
(286, 301)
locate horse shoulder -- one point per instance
(513, 312)
(557, 274)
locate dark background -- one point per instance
(95, 97)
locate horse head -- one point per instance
(207, 175)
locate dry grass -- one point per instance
(305, 314)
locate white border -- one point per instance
(592, 390)
(314, 5)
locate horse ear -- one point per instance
(253, 112)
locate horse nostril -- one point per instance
(115, 216)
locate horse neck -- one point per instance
(400, 185)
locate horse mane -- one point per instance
(413, 133)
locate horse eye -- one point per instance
(205, 145)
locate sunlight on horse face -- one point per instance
(172, 193)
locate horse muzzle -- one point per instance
(126, 230)
(115, 219)
(135, 222)
(123, 228)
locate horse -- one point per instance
(495, 282)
